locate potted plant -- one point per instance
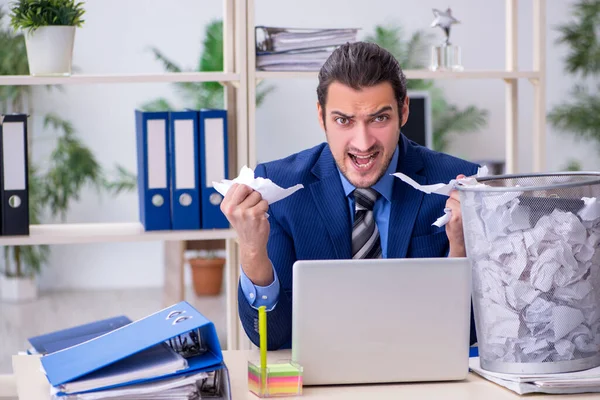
(49, 27)
(206, 267)
(17, 278)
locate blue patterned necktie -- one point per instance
(365, 235)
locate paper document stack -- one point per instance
(296, 49)
(571, 382)
(173, 353)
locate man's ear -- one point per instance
(320, 116)
(405, 110)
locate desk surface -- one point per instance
(32, 385)
(474, 387)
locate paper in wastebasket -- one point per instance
(545, 273)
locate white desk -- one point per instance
(32, 385)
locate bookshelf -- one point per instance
(107, 232)
(414, 74)
(234, 79)
(511, 75)
(83, 79)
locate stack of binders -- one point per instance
(297, 49)
(180, 154)
(14, 175)
(173, 353)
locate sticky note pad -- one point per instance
(282, 379)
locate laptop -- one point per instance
(383, 320)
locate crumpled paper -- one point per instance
(444, 189)
(269, 191)
(536, 279)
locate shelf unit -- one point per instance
(414, 74)
(234, 79)
(510, 75)
(18, 80)
(239, 79)
(107, 232)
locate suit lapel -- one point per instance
(331, 204)
(406, 201)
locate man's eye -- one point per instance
(381, 118)
(342, 120)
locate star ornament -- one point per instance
(444, 20)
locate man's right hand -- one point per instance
(246, 211)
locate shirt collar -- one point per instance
(384, 186)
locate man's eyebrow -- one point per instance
(381, 110)
(376, 113)
(341, 114)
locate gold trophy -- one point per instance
(445, 57)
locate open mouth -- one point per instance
(363, 161)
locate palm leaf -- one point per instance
(124, 181)
(582, 37)
(457, 121)
(160, 104)
(390, 38)
(211, 60)
(188, 89)
(167, 63)
(262, 91)
(580, 116)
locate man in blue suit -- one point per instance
(351, 206)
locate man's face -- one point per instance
(362, 129)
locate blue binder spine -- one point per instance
(153, 169)
(213, 166)
(184, 135)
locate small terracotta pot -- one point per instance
(207, 275)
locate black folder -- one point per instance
(14, 175)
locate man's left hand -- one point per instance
(454, 228)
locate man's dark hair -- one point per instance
(359, 65)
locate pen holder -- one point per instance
(281, 378)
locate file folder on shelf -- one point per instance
(213, 166)
(185, 188)
(14, 176)
(153, 169)
(58, 340)
(181, 327)
(271, 38)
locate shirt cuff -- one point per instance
(260, 295)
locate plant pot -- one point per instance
(17, 289)
(207, 275)
(50, 50)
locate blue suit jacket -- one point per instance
(314, 223)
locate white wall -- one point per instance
(114, 39)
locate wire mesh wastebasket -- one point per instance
(534, 245)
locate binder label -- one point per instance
(13, 154)
(157, 154)
(214, 150)
(185, 173)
